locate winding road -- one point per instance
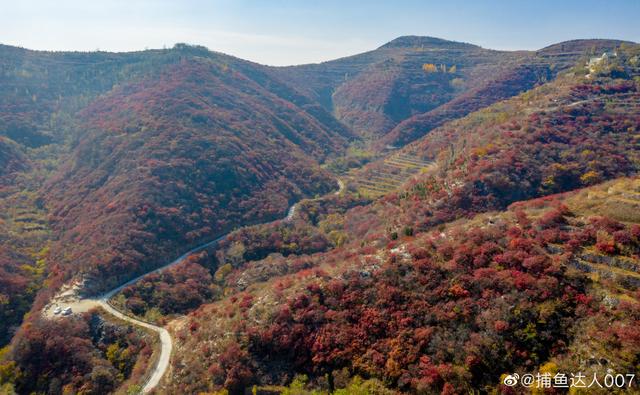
(166, 343)
(292, 210)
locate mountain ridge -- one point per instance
(413, 41)
(113, 162)
(401, 41)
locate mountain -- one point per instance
(514, 240)
(171, 161)
(126, 151)
(448, 310)
(575, 131)
(510, 255)
(411, 85)
(524, 74)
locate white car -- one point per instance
(66, 311)
(57, 310)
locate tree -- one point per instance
(235, 254)
(429, 68)
(103, 379)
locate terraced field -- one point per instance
(387, 175)
(22, 222)
(619, 200)
(624, 272)
(26, 217)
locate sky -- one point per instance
(280, 32)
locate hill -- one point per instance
(102, 147)
(184, 157)
(479, 259)
(412, 84)
(451, 309)
(540, 142)
(427, 294)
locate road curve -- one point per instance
(166, 343)
(294, 207)
(341, 186)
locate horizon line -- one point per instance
(193, 45)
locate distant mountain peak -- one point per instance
(425, 41)
(588, 46)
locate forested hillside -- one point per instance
(411, 85)
(170, 162)
(512, 78)
(126, 151)
(452, 309)
(503, 237)
(427, 294)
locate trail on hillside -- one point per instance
(66, 298)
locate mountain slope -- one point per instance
(11, 160)
(452, 309)
(429, 295)
(69, 121)
(509, 83)
(169, 162)
(569, 133)
(154, 152)
(511, 80)
(426, 81)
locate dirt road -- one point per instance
(68, 297)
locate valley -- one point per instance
(71, 299)
(424, 217)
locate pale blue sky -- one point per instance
(283, 32)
